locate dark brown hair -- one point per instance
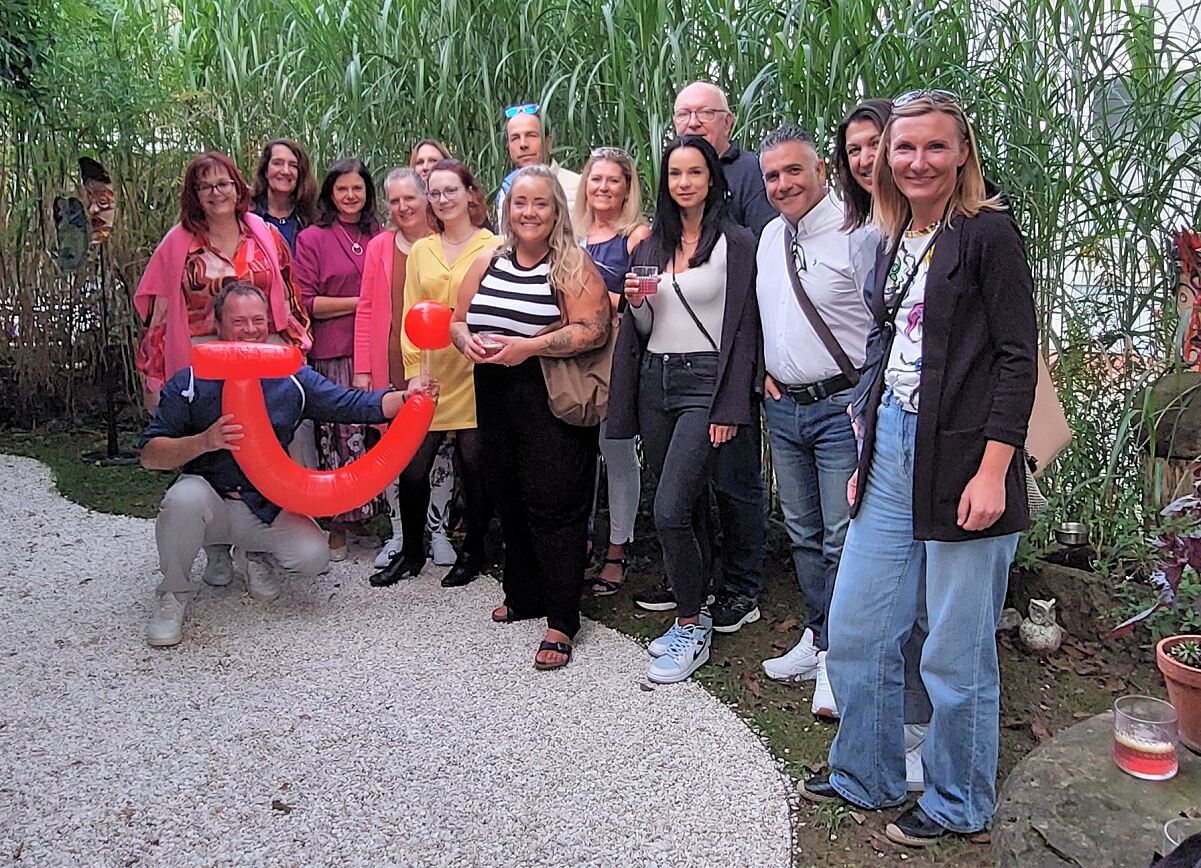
(327, 212)
(857, 202)
(475, 196)
(304, 197)
(191, 215)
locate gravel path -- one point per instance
(339, 725)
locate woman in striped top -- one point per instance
(539, 469)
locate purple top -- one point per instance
(327, 264)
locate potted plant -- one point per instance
(1179, 659)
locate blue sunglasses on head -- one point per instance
(529, 108)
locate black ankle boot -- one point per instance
(398, 568)
(465, 571)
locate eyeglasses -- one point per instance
(219, 187)
(529, 108)
(930, 93)
(610, 154)
(705, 115)
(447, 194)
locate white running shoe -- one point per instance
(799, 664)
(261, 583)
(658, 647)
(390, 550)
(915, 737)
(443, 552)
(688, 651)
(823, 696)
(166, 623)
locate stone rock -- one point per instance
(1176, 402)
(1067, 803)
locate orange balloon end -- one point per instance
(231, 360)
(428, 325)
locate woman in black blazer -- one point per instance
(684, 375)
(939, 499)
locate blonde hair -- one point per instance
(568, 262)
(891, 210)
(630, 217)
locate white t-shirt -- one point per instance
(904, 372)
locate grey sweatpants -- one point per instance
(193, 515)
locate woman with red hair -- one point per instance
(216, 240)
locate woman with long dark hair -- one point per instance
(330, 259)
(939, 499)
(685, 374)
(285, 192)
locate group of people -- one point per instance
(884, 331)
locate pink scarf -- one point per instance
(162, 283)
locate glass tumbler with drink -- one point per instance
(648, 279)
(1145, 737)
(491, 345)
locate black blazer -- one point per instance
(740, 356)
(979, 369)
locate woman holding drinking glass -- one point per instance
(939, 499)
(608, 220)
(434, 271)
(539, 295)
(330, 259)
(685, 373)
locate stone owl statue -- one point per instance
(1039, 632)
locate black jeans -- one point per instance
(674, 397)
(414, 494)
(540, 472)
(742, 511)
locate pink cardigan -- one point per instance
(373, 317)
(162, 283)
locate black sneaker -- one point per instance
(817, 789)
(731, 613)
(657, 599)
(465, 571)
(914, 828)
(398, 568)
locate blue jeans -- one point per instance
(813, 452)
(875, 606)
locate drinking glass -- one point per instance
(648, 279)
(1145, 737)
(491, 345)
(1176, 830)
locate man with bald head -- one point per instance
(529, 141)
(702, 110)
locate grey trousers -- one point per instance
(194, 515)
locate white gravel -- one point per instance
(339, 725)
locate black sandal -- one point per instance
(604, 587)
(509, 617)
(558, 648)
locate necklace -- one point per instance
(355, 247)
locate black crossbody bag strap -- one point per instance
(696, 319)
(814, 316)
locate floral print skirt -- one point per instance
(338, 444)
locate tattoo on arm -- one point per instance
(583, 334)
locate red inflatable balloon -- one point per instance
(264, 461)
(428, 325)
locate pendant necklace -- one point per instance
(355, 247)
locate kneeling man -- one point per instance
(212, 502)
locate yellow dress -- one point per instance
(429, 276)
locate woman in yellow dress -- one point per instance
(435, 269)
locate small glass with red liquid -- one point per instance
(1145, 737)
(648, 279)
(491, 345)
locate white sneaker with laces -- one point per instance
(823, 696)
(915, 737)
(261, 583)
(166, 622)
(658, 647)
(688, 651)
(390, 550)
(443, 552)
(799, 664)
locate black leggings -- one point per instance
(414, 489)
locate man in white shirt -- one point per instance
(808, 386)
(529, 141)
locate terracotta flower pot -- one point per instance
(1184, 690)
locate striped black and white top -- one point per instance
(513, 300)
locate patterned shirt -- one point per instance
(904, 372)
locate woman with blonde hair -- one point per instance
(939, 499)
(425, 155)
(539, 295)
(608, 220)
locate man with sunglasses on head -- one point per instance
(529, 141)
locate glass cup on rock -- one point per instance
(648, 279)
(491, 345)
(1176, 830)
(1145, 737)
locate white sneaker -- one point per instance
(390, 550)
(915, 737)
(688, 651)
(443, 552)
(799, 664)
(166, 623)
(823, 696)
(219, 568)
(260, 579)
(658, 647)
